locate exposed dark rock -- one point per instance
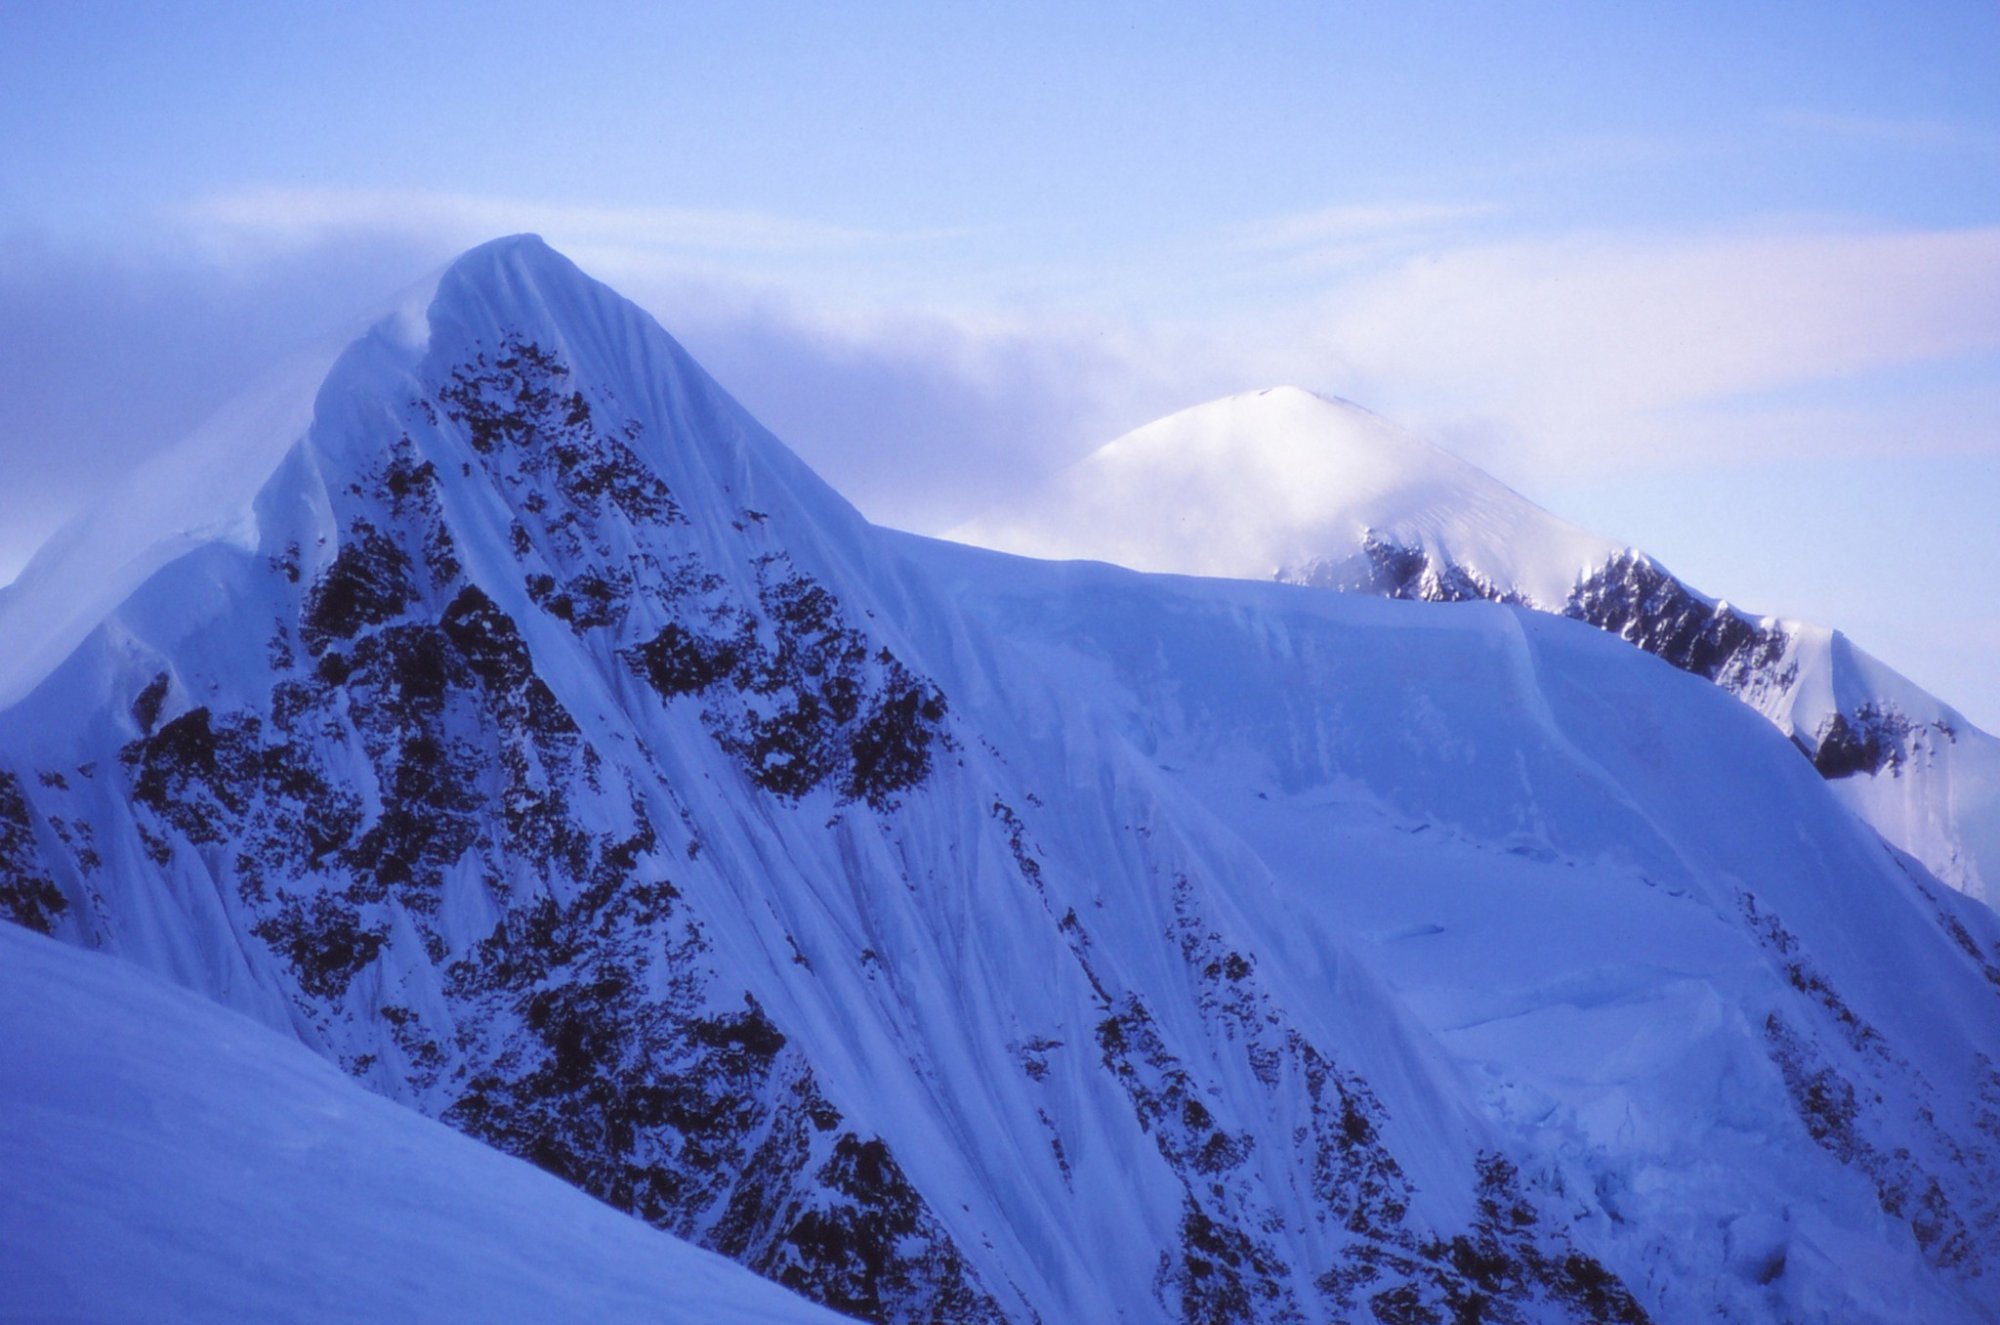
(1870, 739)
(1396, 570)
(677, 661)
(1634, 599)
(1405, 572)
(874, 1251)
(1834, 1115)
(798, 696)
(1499, 1265)
(590, 598)
(1024, 859)
(492, 649)
(324, 939)
(1988, 964)
(1832, 1109)
(415, 754)
(515, 405)
(625, 1082)
(1223, 1276)
(1841, 750)
(195, 774)
(406, 481)
(28, 896)
(1803, 975)
(399, 689)
(890, 751)
(488, 639)
(367, 584)
(146, 707)
(1504, 1268)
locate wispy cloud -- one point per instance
(1358, 222)
(1580, 343)
(1883, 131)
(300, 217)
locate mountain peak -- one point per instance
(526, 243)
(324, 419)
(520, 257)
(522, 265)
(1271, 482)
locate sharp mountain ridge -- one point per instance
(1288, 485)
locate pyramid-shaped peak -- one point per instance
(512, 315)
(520, 279)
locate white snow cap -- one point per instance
(1283, 481)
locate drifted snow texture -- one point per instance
(955, 939)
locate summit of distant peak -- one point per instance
(1337, 446)
(1275, 480)
(1281, 395)
(1277, 401)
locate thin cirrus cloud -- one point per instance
(304, 216)
(1884, 131)
(1576, 342)
(1354, 223)
(1542, 332)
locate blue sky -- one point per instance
(1720, 280)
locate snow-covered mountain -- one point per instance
(1283, 482)
(168, 1160)
(954, 937)
(1289, 485)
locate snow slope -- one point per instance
(952, 936)
(170, 1161)
(1536, 843)
(1289, 485)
